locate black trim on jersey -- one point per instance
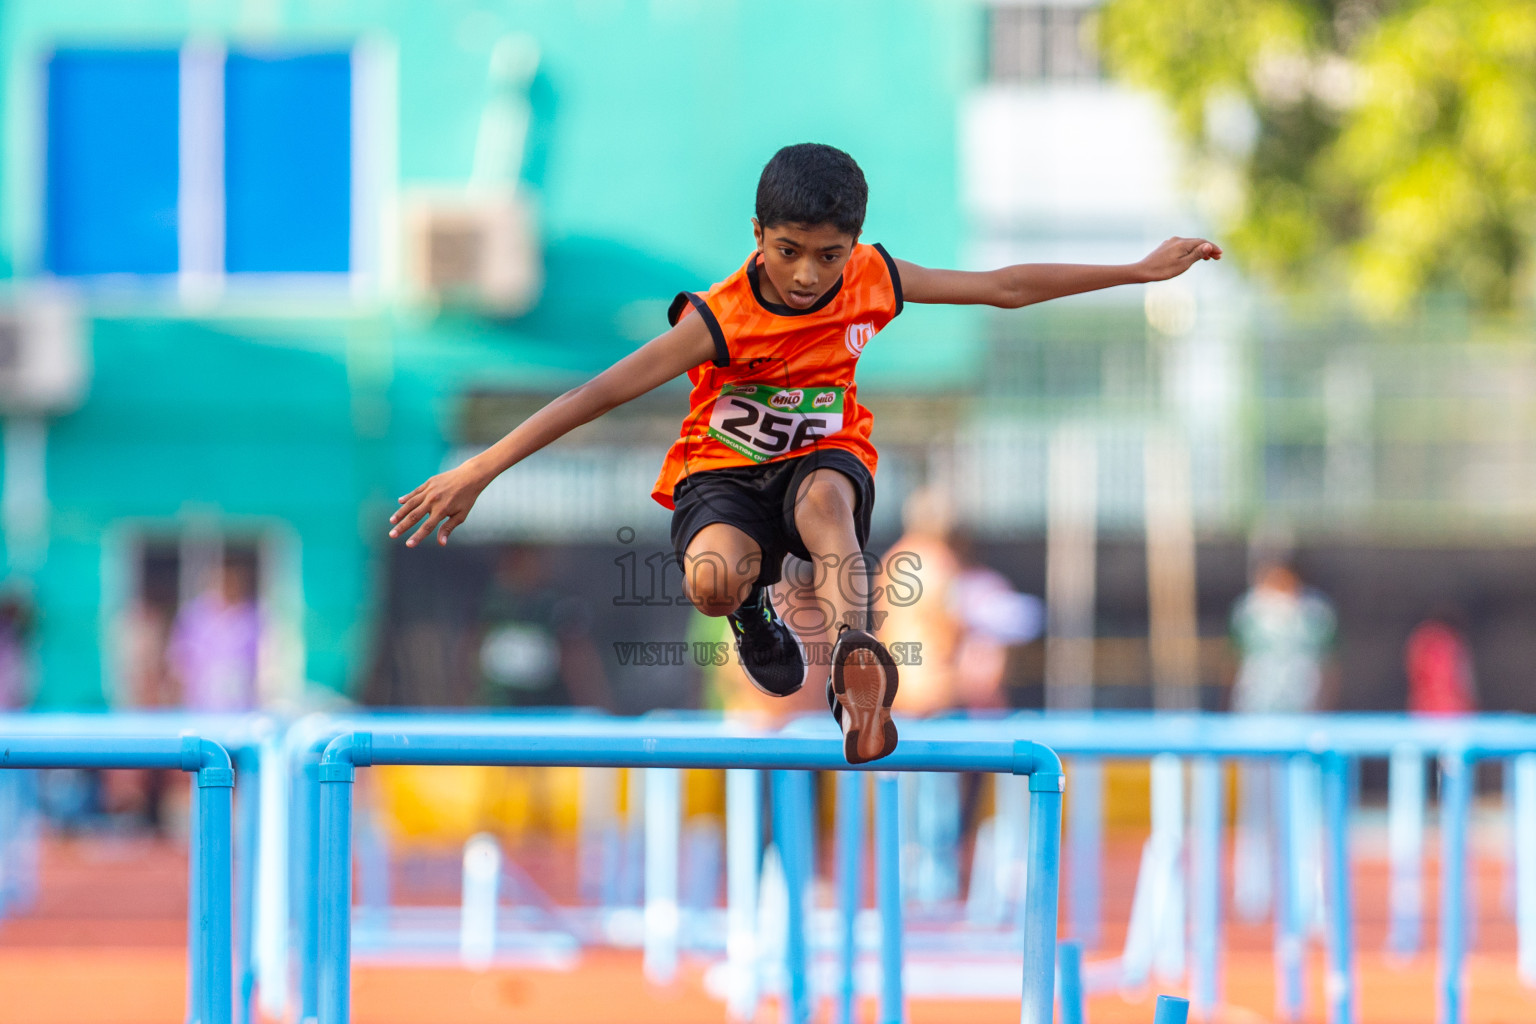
(675, 313)
(890, 265)
(780, 310)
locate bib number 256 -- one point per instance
(767, 431)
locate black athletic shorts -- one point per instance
(760, 501)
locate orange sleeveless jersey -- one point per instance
(781, 383)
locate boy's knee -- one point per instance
(714, 603)
(824, 500)
(717, 594)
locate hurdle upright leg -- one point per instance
(850, 860)
(306, 885)
(791, 818)
(197, 1009)
(1205, 883)
(744, 848)
(1405, 849)
(24, 838)
(1170, 823)
(334, 896)
(10, 815)
(888, 881)
(247, 837)
(663, 822)
(1455, 801)
(1070, 954)
(1290, 929)
(1341, 965)
(1041, 894)
(272, 867)
(1525, 864)
(215, 924)
(1254, 844)
(1085, 837)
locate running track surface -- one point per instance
(105, 945)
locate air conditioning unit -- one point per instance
(474, 248)
(43, 362)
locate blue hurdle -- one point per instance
(664, 745)
(307, 738)
(1315, 752)
(248, 738)
(1206, 738)
(1332, 743)
(210, 959)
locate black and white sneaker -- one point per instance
(769, 650)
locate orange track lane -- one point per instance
(104, 945)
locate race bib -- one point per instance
(762, 422)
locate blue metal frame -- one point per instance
(1205, 900)
(240, 735)
(1460, 743)
(210, 957)
(1171, 1010)
(888, 889)
(1070, 970)
(1333, 743)
(792, 823)
(1455, 805)
(851, 807)
(1341, 939)
(1085, 839)
(669, 745)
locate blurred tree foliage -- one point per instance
(1388, 145)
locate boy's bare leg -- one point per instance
(824, 517)
(720, 571)
(719, 568)
(863, 675)
(795, 598)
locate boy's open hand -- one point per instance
(1176, 255)
(444, 499)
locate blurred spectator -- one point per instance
(1283, 633)
(16, 620)
(144, 635)
(992, 617)
(535, 645)
(915, 606)
(215, 644)
(1438, 661)
(144, 638)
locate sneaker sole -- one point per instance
(864, 683)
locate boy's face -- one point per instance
(801, 261)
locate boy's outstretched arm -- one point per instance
(444, 500)
(1027, 283)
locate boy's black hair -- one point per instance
(812, 184)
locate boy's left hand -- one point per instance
(1174, 257)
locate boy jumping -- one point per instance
(774, 456)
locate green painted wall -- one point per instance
(651, 122)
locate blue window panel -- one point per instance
(288, 163)
(111, 178)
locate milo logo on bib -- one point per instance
(761, 422)
(786, 399)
